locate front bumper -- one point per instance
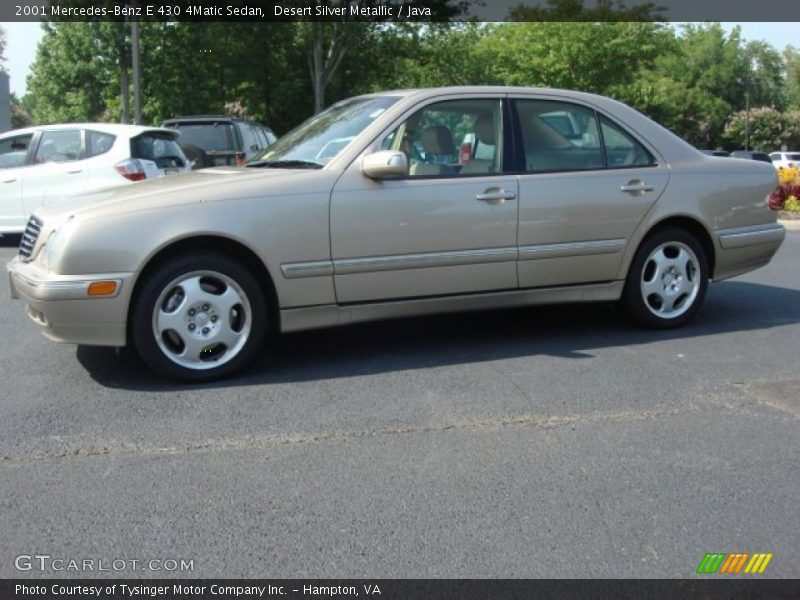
(743, 249)
(61, 307)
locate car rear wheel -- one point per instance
(667, 280)
(199, 318)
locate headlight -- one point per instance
(54, 246)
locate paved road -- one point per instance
(555, 442)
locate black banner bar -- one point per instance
(400, 10)
(711, 588)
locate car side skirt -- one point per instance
(331, 315)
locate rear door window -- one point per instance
(61, 145)
(558, 136)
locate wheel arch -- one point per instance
(688, 223)
(222, 245)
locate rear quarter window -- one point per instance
(98, 143)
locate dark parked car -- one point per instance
(715, 152)
(215, 140)
(762, 156)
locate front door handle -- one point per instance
(636, 187)
(12, 180)
(496, 196)
(74, 172)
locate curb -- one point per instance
(790, 224)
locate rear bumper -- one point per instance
(743, 249)
(60, 307)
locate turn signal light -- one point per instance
(102, 288)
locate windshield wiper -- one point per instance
(285, 164)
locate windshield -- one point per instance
(323, 136)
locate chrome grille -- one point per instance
(32, 231)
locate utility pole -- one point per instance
(137, 74)
(745, 81)
(747, 114)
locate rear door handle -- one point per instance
(495, 196)
(74, 172)
(12, 180)
(636, 187)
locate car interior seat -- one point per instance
(435, 140)
(484, 135)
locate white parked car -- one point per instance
(50, 164)
(781, 160)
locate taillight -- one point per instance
(777, 198)
(241, 159)
(131, 169)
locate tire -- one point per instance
(667, 280)
(199, 318)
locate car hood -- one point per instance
(198, 187)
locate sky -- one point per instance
(22, 39)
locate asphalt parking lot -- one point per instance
(551, 442)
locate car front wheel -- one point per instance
(667, 280)
(199, 318)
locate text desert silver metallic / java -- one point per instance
(395, 204)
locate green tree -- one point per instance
(791, 58)
(690, 112)
(204, 67)
(409, 56)
(19, 118)
(765, 79)
(709, 60)
(593, 57)
(66, 83)
(328, 42)
(575, 10)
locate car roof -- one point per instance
(112, 128)
(484, 89)
(500, 90)
(202, 118)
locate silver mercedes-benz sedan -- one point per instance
(394, 204)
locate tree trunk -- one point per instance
(124, 91)
(317, 68)
(323, 64)
(123, 61)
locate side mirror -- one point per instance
(386, 164)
